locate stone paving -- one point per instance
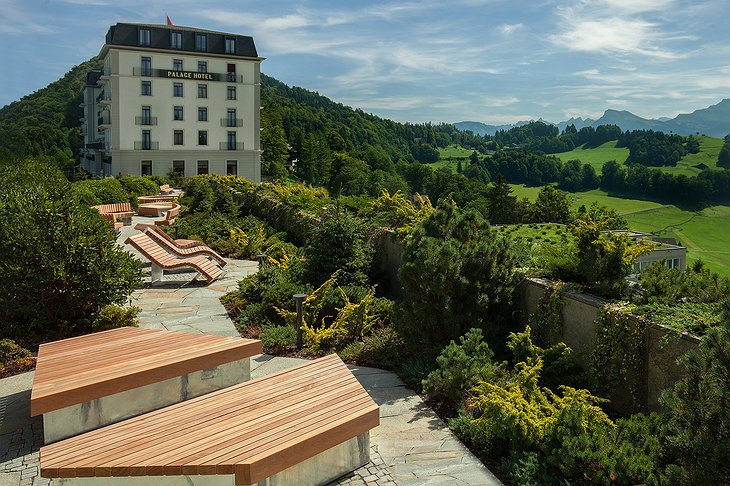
(412, 446)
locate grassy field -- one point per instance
(706, 233)
(449, 157)
(709, 149)
(597, 156)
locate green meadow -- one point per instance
(597, 156)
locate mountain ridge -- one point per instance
(713, 121)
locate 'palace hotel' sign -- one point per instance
(194, 75)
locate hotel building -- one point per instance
(173, 98)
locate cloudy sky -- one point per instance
(495, 61)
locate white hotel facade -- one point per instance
(170, 99)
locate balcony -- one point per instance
(231, 146)
(104, 119)
(234, 78)
(145, 120)
(232, 122)
(140, 71)
(146, 145)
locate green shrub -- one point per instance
(382, 349)
(277, 339)
(338, 243)
(14, 358)
(113, 316)
(59, 260)
(457, 274)
(460, 367)
(101, 191)
(663, 285)
(206, 194)
(139, 186)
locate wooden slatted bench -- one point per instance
(86, 382)
(155, 199)
(161, 259)
(154, 209)
(303, 426)
(118, 213)
(170, 216)
(166, 189)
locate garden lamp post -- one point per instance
(299, 299)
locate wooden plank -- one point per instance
(79, 370)
(247, 429)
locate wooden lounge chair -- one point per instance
(162, 260)
(169, 244)
(305, 425)
(179, 242)
(86, 382)
(170, 217)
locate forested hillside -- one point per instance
(46, 122)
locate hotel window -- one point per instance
(178, 167)
(230, 45)
(177, 113)
(177, 89)
(146, 140)
(145, 66)
(143, 37)
(146, 115)
(232, 167)
(177, 137)
(176, 40)
(231, 117)
(146, 168)
(202, 137)
(231, 76)
(202, 91)
(177, 65)
(202, 167)
(202, 114)
(202, 66)
(201, 42)
(231, 140)
(231, 93)
(146, 88)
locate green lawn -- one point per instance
(706, 233)
(709, 149)
(597, 156)
(449, 157)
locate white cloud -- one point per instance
(16, 20)
(508, 29)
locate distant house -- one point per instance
(669, 252)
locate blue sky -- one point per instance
(494, 61)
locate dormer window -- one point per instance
(143, 36)
(201, 42)
(176, 40)
(230, 45)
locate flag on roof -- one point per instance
(169, 22)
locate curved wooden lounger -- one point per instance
(179, 242)
(164, 241)
(163, 260)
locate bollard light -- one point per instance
(299, 299)
(262, 259)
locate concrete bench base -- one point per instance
(315, 471)
(76, 419)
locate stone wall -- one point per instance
(661, 348)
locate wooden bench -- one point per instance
(162, 260)
(166, 189)
(164, 240)
(170, 216)
(303, 426)
(155, 199)
(89, 381)
(154, 209)
(118, 213)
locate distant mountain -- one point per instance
(713, 121)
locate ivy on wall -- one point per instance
(547, 320)
(617, 357)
